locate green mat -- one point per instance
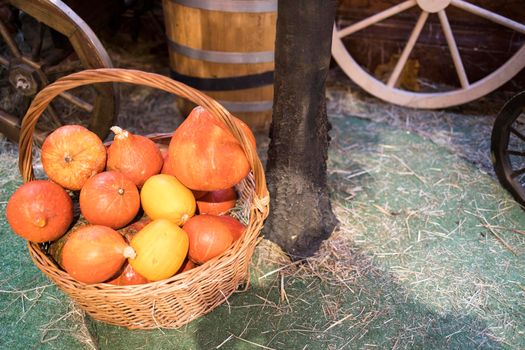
(415, 264)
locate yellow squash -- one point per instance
(165, 197)
(160, 247)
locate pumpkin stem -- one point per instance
(120, 134)
(68, 158)
(129, 252)
(120, 191)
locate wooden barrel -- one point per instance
(225, 48)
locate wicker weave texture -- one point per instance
(176, 301)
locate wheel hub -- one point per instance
(24, 79)
(433, 6)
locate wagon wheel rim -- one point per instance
(508, 147)
(390, 93)
(102, 108)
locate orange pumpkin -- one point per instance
(205, 156)
(198, 194)
(235, 226)
(94, 253)
(209, 237)
(135, 156)
(109, 199)
(72, 154)
(128, 277)
(40, 211)
(217, 202)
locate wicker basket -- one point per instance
(176, 301)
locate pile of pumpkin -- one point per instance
(148, 212)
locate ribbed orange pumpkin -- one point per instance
(209, 237)
(40, 211)
(94, 253)
(205, 156)
(109, 199)
(135, 156)
(72, 154)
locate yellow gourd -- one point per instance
(160, 247)
(165, 197)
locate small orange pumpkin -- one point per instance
(40, 211)
(109, 199)
(135, 156)
(209, 237)
(72, 154)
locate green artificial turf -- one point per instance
(415, 264)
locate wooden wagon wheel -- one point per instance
(389, 92)
(508, 147)
(59, 42)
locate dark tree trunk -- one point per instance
(301, 216)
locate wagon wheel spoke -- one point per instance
(377, 18)
(53, 117)
(458, 63)
(517, 133)
(516, 153)
(479, 11)
(518, 172)
(56, 58)
(407, 50)
(37, 44)
(4, 32)
(86, 106)
(62, 67)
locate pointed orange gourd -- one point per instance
(94, 253)
(135, 156)
(205, 156)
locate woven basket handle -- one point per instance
(109, 75)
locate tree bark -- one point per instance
(301, 215)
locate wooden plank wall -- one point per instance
(483, 45)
